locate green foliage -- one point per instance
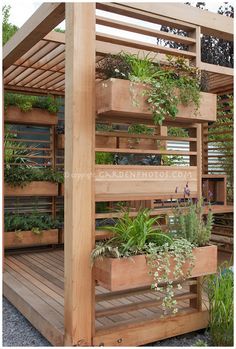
(191, 224)
(20, 176)
(167, 87)
(59, 30)
(220, 291)
(200, 343)
(8, 29)
(35, 222)
(177, 132)
(159, 262)
(141, 129)
(26, 103)
(131, 235)
(104, 158)
(104, 127)
(15, 151)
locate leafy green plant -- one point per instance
(166, 86)
(159, 261)
(35, 222)
(191, 225)
(15, 151)
(141, 129)
(104, 158)
(131, 234)
(220, 291)
(26, 103)
(200, 343)
(141, 235)
(20, 176)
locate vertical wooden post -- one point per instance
(79, 168)
(196, 160)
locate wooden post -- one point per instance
(79, 168)
(196, 160)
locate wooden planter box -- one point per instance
(60, 139)
(36, 116)
(133, 182)
(214, 189)
(40, 188)
(117, 274)
(28, 238)
(121, 98)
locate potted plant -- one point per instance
(30, 230)
(35, 110)
(140, 254)
(137, 88)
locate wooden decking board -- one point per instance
(49, 300)
(34, 285)
(45, 266)
(35, 282)
(41, 316)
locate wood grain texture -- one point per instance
(40, 188)
(36, 116)
(117, 274)
(28, 238)
(116, 97)
(79, 162)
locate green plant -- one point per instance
(20, 176)
(35, 222)
(8, 29)
(26, 103)
(141, 129)
(104, 158)
(191, 225)
(159, 262)
(15, 151)
(220, 291)
(131, 234)
(166, 86)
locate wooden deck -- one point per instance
(34, 284)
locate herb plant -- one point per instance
(191, 225)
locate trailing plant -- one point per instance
(220, 291)
(141, 235)
(162, 82)
(159, 263)
(141, 129)
(26, 103)
(20, 176)
(191, 225)
(104, 127)
(35, 222)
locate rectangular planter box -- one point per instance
(36, 116)
(215, 184)
(121, 98)
(117, 274)
(134, 182)
(40, 188)
(28, 238)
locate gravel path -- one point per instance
(18, 332)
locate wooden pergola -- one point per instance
(39, 61)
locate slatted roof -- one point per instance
(41, 69)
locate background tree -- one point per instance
(213, 50)
(8, 29)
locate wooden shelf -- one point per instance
(36, 116)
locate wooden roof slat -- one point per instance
(15, 73)
(45, 18)
(46, 50)
(25, 73)
(50, 56)
(55, 62)
(37, 47)
(37, 77)
(49, 81)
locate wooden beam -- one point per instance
(79, 163)
(210, 23)
(213, 68)
(47, 17)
